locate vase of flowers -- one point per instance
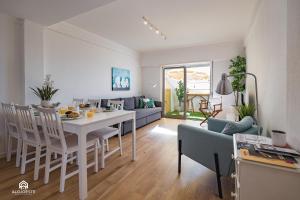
(46, 92)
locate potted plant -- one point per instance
(238, 65)
(246, 110)
(46, 92)
(180, 92)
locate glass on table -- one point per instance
(62, 110)
(90, 114)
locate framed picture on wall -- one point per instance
(120, 79)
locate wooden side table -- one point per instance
(259, 181)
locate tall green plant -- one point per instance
(238, 65)
(180, 92)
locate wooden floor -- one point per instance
(152, 176)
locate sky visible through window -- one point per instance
(198, 79)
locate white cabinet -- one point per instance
(258, 181)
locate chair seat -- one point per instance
(14, 132)
(31, 138)
(105, 133)
(72, 142)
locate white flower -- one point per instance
(48, 82)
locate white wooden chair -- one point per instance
(119, 105)
(108, 132)
(77, 101)
(66, 146)
(12, 129)
(32, 136)
(95, 102)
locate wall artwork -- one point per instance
(120, 79)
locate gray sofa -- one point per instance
(144, 116)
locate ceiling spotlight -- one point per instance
(151, 26)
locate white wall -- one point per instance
(220, 54)
(80, 63)
(33, 59)
(293, 72)
(266, 56)
(11, 65)
(152, 82)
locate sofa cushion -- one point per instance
(144, 112)
(158, 103)
(238, 127)
(137, 101)
(128, 103)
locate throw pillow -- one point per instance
(150, 103)
(237, 127)
(137, 101)
(146, 100)
(141, 103)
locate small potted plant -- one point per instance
(246, 110)
(46, 92)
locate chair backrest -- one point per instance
(215, 100)
(95, 102)
(28, 125)
(210, 103)
(78, 101)
(52, 127)
(119, 105)
(11, 121)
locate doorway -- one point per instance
(184, 85)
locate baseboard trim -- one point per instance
(3, 154)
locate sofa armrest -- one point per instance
(216, 125)
(200, 145)
(253, 130)
(158, 103)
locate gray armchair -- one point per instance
(211, 148)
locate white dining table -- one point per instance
(81, 127)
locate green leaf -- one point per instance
(238, 65)
(246, 110)
(44, 93)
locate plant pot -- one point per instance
(236, 115)
(180, 107)
(45, 103)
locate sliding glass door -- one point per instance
(174, 92)
(184, 86)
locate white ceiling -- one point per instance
(48, 12)
(185, 22)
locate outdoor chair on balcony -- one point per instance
(210, 107)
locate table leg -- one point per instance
(192, 102)
(82, 165)
(133, 139)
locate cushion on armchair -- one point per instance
(237, 127)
